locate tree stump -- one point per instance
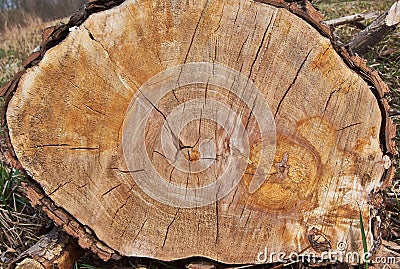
(222, 129)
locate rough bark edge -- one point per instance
(85, 236)
(302, 8)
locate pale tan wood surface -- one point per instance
(66, 123)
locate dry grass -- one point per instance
(16, 43)
(20, 223)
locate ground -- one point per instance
(21, 225)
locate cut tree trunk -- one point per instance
(223, 129)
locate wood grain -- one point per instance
(67, 116)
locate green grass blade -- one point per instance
(88, 266)
(364, 241)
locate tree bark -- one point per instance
(227, 130)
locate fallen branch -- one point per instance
(352, 18)
(377, 31)
(55, 249)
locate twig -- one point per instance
(352, 18)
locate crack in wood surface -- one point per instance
(349, 126)
(110, 190)
(140, 229)
(94, 110)
(118, 209)
(81, 187)
(237, 13)
(51, 146)
(126, 171)
(84, 148)
(216, 222)
(168, 227)
(293, 82)
(329, 99)
(195, 31)
(220, 19)
(260, 47)
(176, 140)
(62, 185)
